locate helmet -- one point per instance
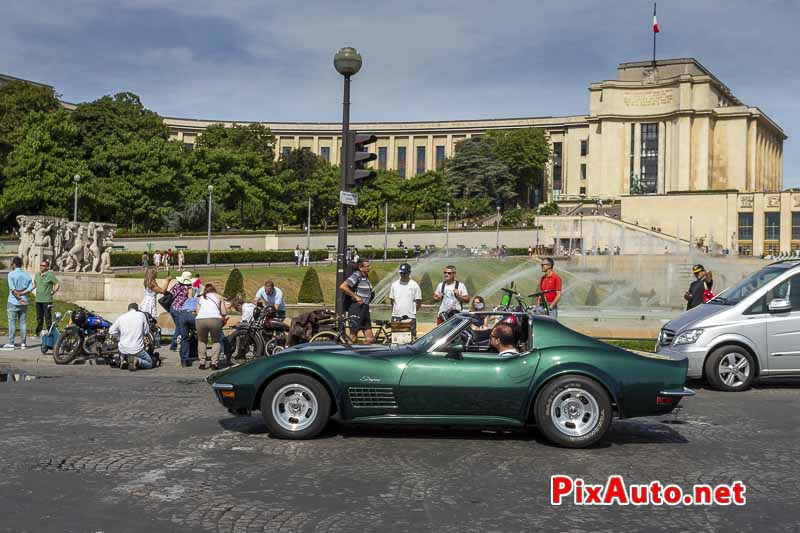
(405, 268)
(698, 268)
(79, 316)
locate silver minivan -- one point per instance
(748, 331)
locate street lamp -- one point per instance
(497, 243)
(208, 251)
(447, 232)
(385, 230)
(76, 178)
(690, 235)
(581, 244)
(308, 227)
(347, 62)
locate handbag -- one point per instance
(166, 301)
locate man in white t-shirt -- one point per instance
(131, 329)
(451, 293)
(406, 297)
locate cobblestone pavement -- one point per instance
(85, 448)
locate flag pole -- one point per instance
(654, 35)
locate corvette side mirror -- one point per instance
(453, 351)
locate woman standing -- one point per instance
(151, 288)
(211, 314)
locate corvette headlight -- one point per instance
(689, 336)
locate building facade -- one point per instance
(656, 129)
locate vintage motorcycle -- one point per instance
(85, 336)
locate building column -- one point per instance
(429, 155)
(684, 153)
(449, 149)
(315, 144)
(751, 156)
(700, 127)
(296, 142)
(662, 158)
(391, 156)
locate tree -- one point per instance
(40, 168)
(234, 287)
(17, 100)
(477, 171)
(525, 152)
(253, 138)
(310, 289)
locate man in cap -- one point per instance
(405, 297)
(702, 282)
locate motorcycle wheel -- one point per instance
(244, 346)
(275, 345)
(67, 347)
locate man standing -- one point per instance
(359, 289)
(405, 297)
(306, 257)
(697, 289)
(131, 329)
(272, 297)
(298, 255)
(46, 286)
(550, 285)
(187, 324)
(19, 287)
(144, 260)
(451, 293)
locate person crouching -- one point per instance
(131, 329)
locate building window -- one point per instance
(325, 153)
(796, 226)
(382, 157)
(772, 248)
(648, 158)
(632, 156)
(745, 226)
(189, 146)
(420, 159)
(557, 169)
(746, 249)
(585, 147)
(286, 151)
(439, 157)
(772, 226)
(583, 191)
(401, 161)
(583, 171)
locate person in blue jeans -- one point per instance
(131, 329)
(20, 285)
(180, 293)
(185, 324)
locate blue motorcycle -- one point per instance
(85, 336)
(50, 338)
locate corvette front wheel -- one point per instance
(295, 406)
(573, 411)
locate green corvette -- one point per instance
(567, 384)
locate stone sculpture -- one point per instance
(69, 246)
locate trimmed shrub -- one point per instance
(592, 297)
(426, 287)
(198, 257)
(234, 287)
(310, 289)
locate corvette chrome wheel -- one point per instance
(574, 412)
(295, 407)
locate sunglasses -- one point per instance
(446, 272)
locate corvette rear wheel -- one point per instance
(573, 411)
(295, 406)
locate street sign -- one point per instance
(348, 198)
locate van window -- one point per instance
(749, 285)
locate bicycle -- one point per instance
(383, 334)
(522, 305)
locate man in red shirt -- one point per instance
(550, 282)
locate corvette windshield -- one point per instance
(442, 331)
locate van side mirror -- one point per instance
(779, 305)
(453, 351)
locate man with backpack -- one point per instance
(358, 289)
(451, 293)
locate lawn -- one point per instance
(642, 345)
(59, 306)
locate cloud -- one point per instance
(272, 61)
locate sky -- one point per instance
(263, 60)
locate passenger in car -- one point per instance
(504, 339)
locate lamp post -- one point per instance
(208, 250)
(690, 235)
(385, 230)
(581, 244)
(76, 178)
(308, 227)
(347, 62)
(447, 232)
(497, 240)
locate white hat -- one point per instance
(185, 278)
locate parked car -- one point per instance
(748, 331)
(567, 384)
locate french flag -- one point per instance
(655, 20)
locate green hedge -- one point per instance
(234, 287)
(310, 289)
(196, 257)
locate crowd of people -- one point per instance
(164, 260)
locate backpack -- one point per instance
(442, 285)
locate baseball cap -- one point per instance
(405, 268)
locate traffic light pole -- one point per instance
(341, 247)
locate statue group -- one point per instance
(68, 246)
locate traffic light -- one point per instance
(358, 157)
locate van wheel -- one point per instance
(730, 368)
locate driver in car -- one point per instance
(504, 339)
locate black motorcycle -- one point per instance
(85, 336)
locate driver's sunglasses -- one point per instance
(448, 273)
